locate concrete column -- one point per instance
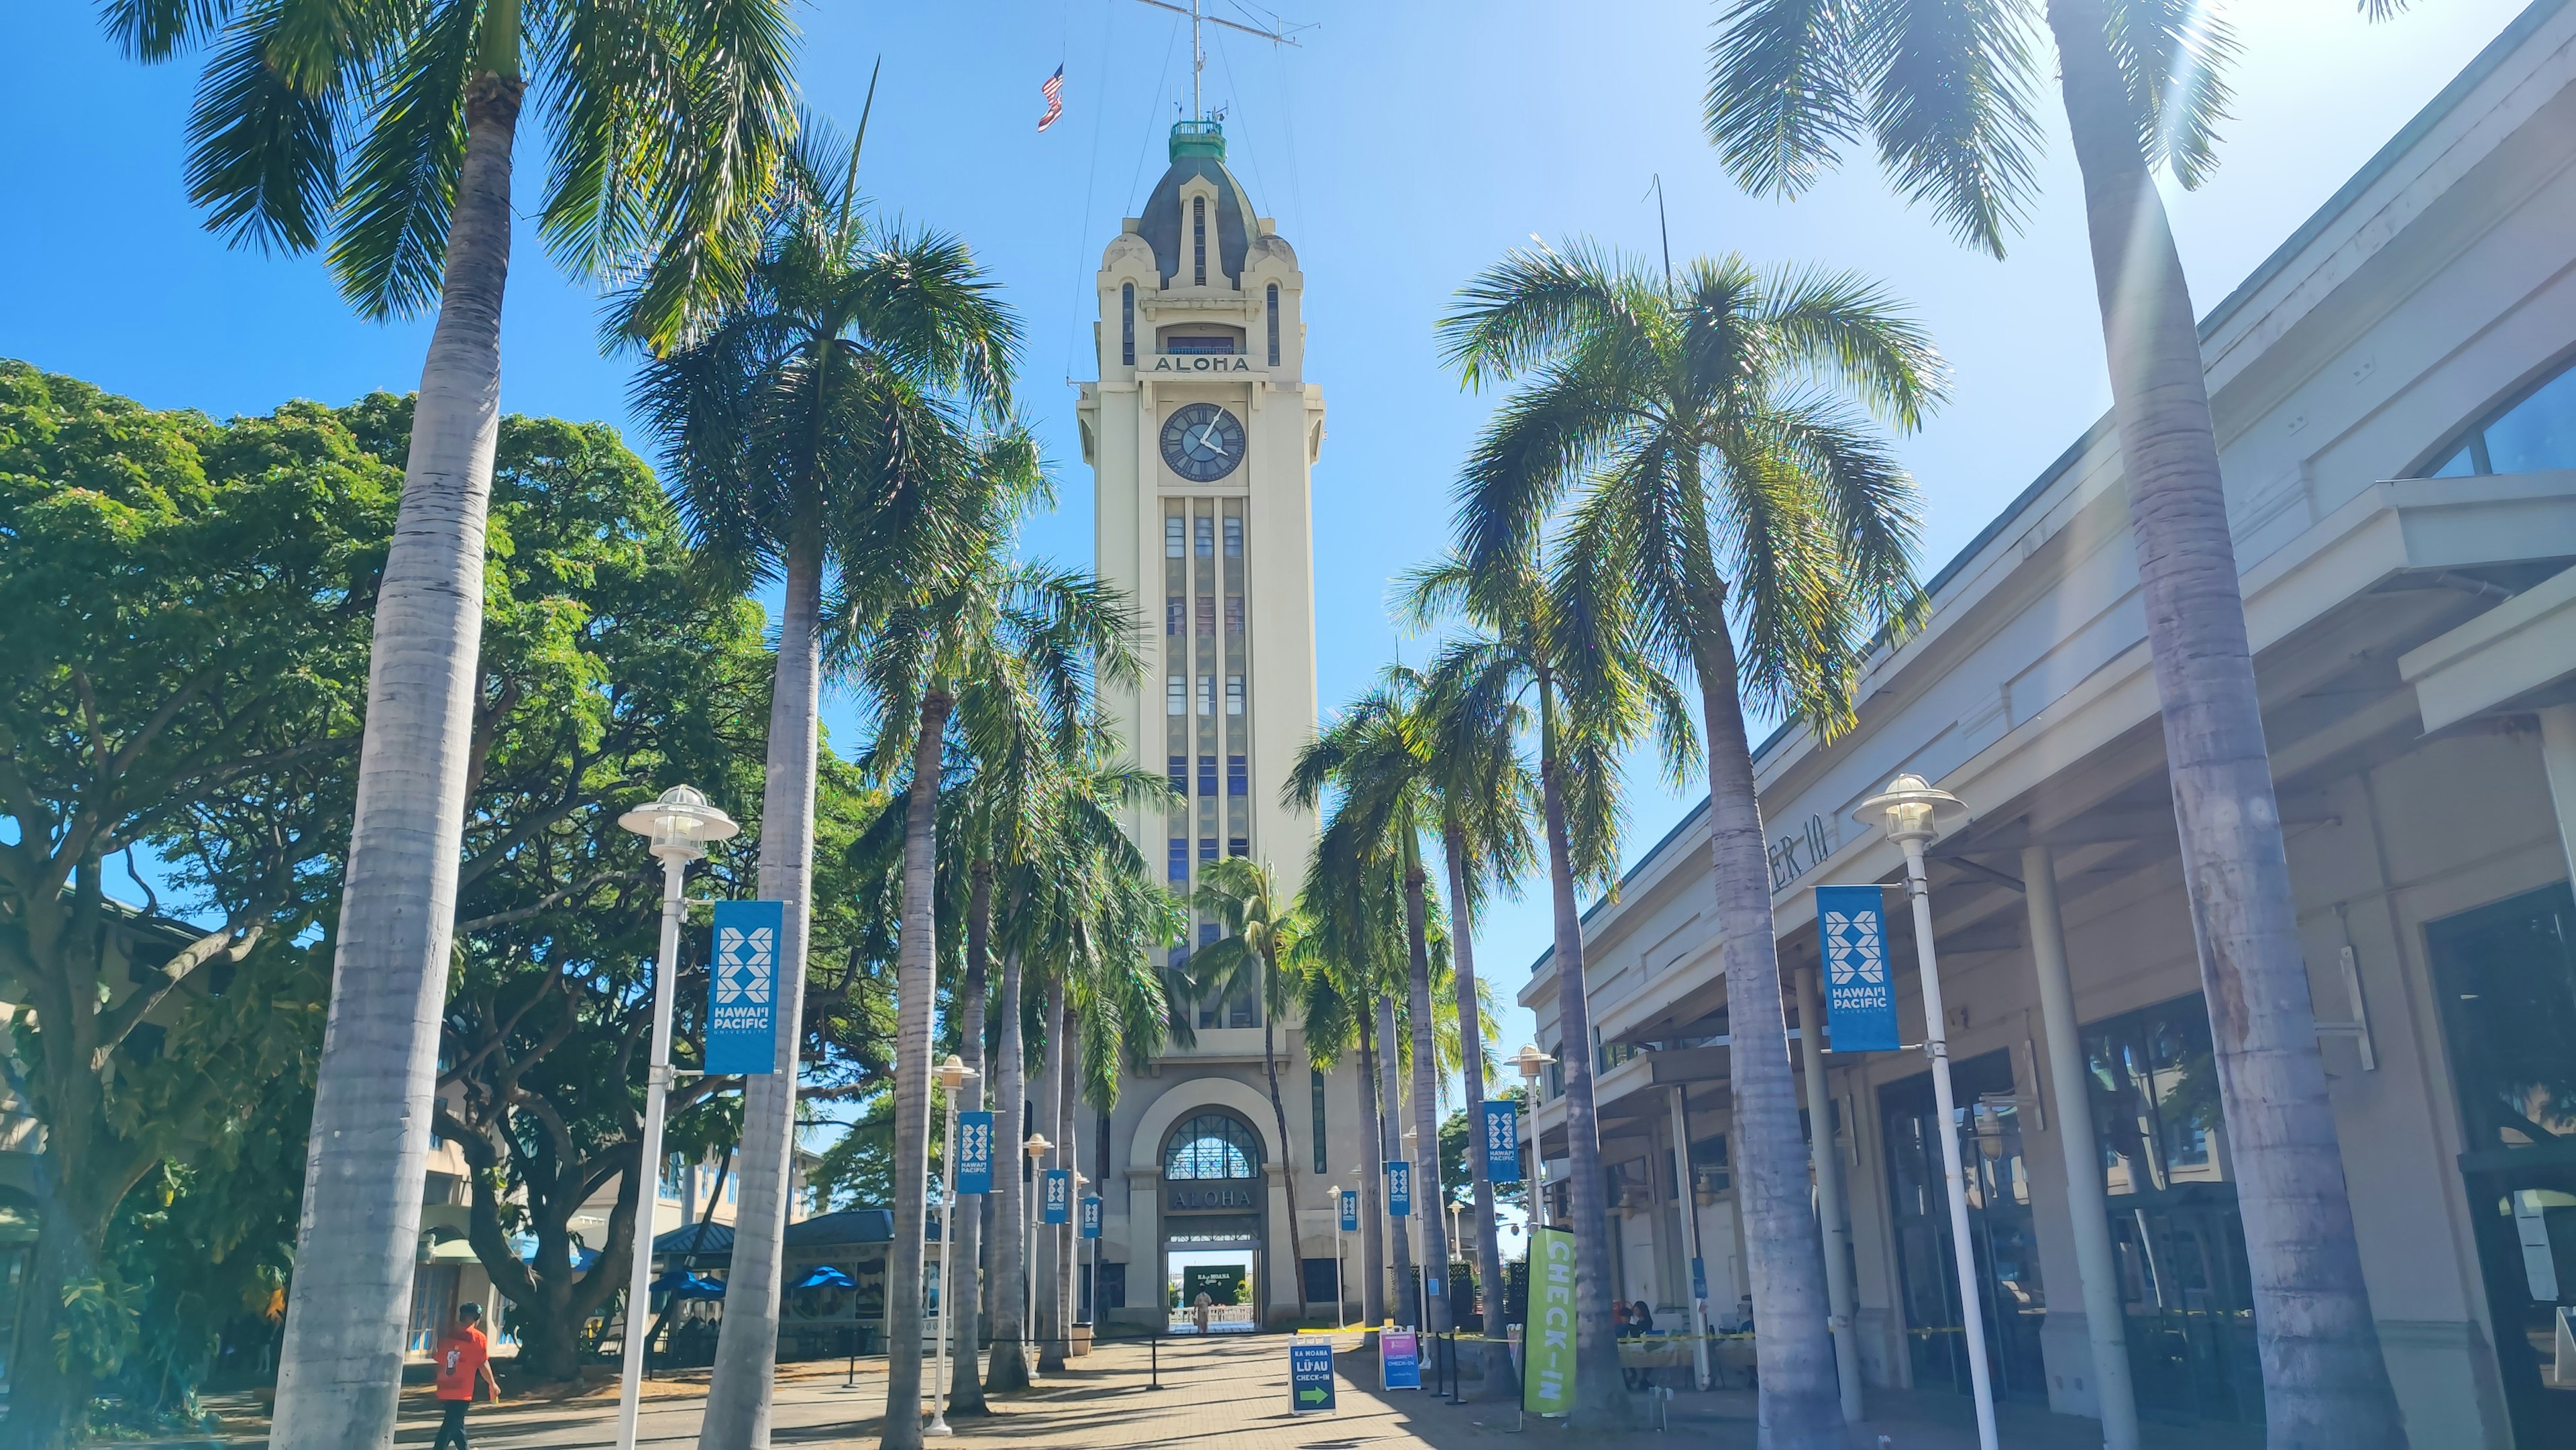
(2105, 1321)
(1830, 1205)
(1690, 1233)
(2558, 758)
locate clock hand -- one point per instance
(1207, 434)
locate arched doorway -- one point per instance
(1212, 1224)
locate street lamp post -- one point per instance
(953, 1075)
(1341, 1293)
(1908, 808)
(1037, 1147)
(1532, 1064)
(676, 825)
(1086, 1257)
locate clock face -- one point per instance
(1202, 442)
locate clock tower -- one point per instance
(1201, 434)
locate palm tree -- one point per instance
(389, 132)
(1711, 427)
(815, 428)
(1261, 931)
(1342, 966)
(1952, 104)
(993, 651)
(1377, 758)
(1568, 657)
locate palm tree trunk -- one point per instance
(1279, 1113)
(1600, 1396)
(1436, 1317)
(916, 992)
(2324, 1381)
(1372, 1210)
(738, 1390)
(1500, 1382)
(340, 1367)
(966, 1380)
(1784, 1258)
(1390, 1135)
(1009, 1369)
(1050, 1246)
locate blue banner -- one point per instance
(975, 1152)
(1350, 1210)
(1310, 1375)
(1091, 1215)
(742, 987)
(1055, 1203)
(1502, 1142)
(1860, 995)
(1399, 1188)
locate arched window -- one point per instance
(1274, 324)
(2536, 431)
(1127, 323)
(1198, 241)
(1212, 1146)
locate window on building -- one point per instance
(1127, 323)
(1239, 847)
(1207, 537)
(2535, 431)
(1172, 536)
(1207, 852)
(1234, 694)
(1173, 610)
(1180, 863)
(1233, 537)
(1179, 774)
(1195, 344)
(1207, 775)
(1212, 1146)
(1207, 615)
(733, 1187)
(1207, 694)
(1198, 241)
(1176, 695)
(1234, 614)
(1315, 1088)
(1274, 331)
(1237, 776)
(674, 1171)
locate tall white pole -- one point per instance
(1963, 1249)
(947, 1234)
(1690, 1232)
(639, 1284)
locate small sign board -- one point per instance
(1699, 1278)
(975, 1152)
(1502, 1142)
(1310, 1376)
(1350, 1210)
(1399, 1188)
(1091, 1215)
(1860, 996)
(1055, 1200)
(1399, 1358)
(742, 987)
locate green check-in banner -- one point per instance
(1547, 1349)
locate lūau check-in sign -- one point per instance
(742, 987)
(975, 1152)
(1860, 996)
(1310, 1375)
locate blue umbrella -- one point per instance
(827, 1277)
(688, 1286)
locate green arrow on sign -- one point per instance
(1310, 1397)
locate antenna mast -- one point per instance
(1198, 49)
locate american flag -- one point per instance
(1053, 89)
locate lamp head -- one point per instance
(1909, 808)
(954, 1073)
(677, 822)
(1531, 1061)
(1036, 1145)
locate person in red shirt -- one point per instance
(463, 1356)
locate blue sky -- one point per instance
(1401, 148)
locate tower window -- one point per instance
(1178, 774)
(1234, 694)
(1234, 614)
(1237, 779)
(1207, 537)
(1207, 852)
(1238, 847)
(1233, 537)
(1198, 241)
(1179, 868)
(1207, 615)
(1172, 536)
(1176, 695)
(1274, 324)
(1127, 323)
(1172, 613)
(1207, 775)
(1316, 1093)
(1207, 694)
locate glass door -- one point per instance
(1999, 1223)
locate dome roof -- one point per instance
(1198, 150)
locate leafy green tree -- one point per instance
(387, 133)
(1707, 438)
(186, 608)
(816, 428)
(1949, 96)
